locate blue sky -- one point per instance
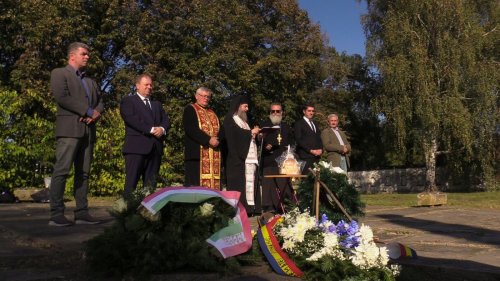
(340, 20)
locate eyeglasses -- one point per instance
(205, 96)
(275, 111)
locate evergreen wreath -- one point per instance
(140, 244)
(336, 180)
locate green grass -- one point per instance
(474, 200)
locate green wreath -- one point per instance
(140, 244)
(339, 184)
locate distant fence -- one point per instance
(411, 180)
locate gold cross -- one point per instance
(279, 139)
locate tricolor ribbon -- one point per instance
(277, 258)
(398, 251)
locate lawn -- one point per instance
(474, 200)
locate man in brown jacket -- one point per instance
(336, 145)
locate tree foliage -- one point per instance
(439, 79)
(266, 49)
(25, 141)
(347, 88)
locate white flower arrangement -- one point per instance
(300, 223)
(207, 210)
(331, 248)
(119, 205)
(329, 166)
(322, 240)
(367, 254)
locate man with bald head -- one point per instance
(146, 126)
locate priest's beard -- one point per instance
(243, 115)
(275, 119)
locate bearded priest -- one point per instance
(275, 190)
(242, 156)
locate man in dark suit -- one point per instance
(276, 141)
(146, 125)
(308, 139)
(79, 107)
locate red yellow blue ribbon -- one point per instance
(397, 251)
(407, 251)
(277, 258)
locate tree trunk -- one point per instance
(430, 150)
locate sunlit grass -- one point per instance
(475, 200)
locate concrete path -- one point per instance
(462, 243)
(452, 243)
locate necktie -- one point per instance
(148, 104)
(312, 126)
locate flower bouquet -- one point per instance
(298, 245)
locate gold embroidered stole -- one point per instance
(210, 159)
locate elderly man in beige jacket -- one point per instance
(336, 145)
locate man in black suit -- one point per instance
(146, 125)
(79, 107)
(308, 138)
(275, 142)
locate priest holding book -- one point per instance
(275, 141)
(242, 156)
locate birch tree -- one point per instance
(440, 79)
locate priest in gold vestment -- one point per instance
(202, 157)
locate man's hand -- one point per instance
(86, 120)
(95, 115)
(316, 152)
(213, 142)
(255, 131)
(157, 132)
(269, 146)
(345, 150)
(92, 119)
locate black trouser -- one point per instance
(77, 153)
(145, 166)
(274, 190)
(192, 173)
(309, 164)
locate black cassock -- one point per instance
(279, 139)
(238, 141)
